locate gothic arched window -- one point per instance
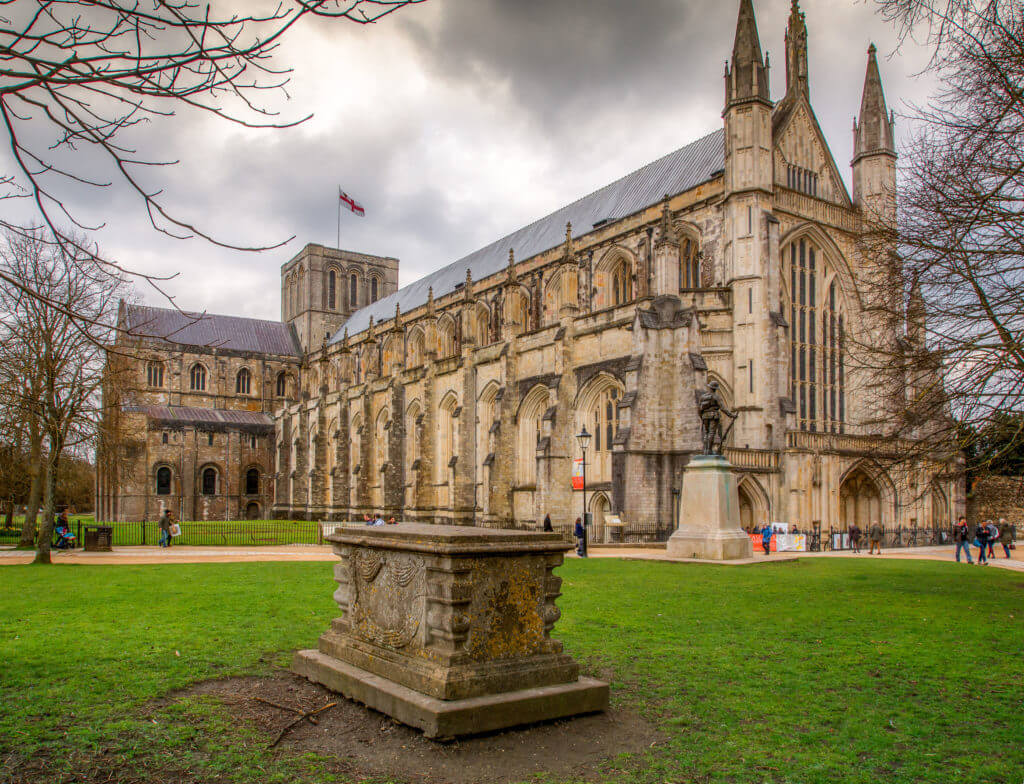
(599, 411)
(155, 374)
(243, 382)
(818, 367)
(353, 291)
(252, 481)
(197, 378)
(332, 290)
(621, 288)
(689, 269)
(282, 384)
(530, 427)
(373, 289)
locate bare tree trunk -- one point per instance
(46, 526)
(9, 516)
(28, 526)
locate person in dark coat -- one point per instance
(165, 528)
(766, 539)
(547, 523)
(1005, 536)
(981, 539)
(854, 534)
(875, 538)
(962, 537)
(578, 533)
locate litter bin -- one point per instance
(98, 538)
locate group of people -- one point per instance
(986, 535)
(376, 519)
(875, 535)
(168, 528)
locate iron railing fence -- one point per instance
(238, 533)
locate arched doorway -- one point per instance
(599, 508)
(860, 501)
(252, 511)
(747, 519)
(940, 510)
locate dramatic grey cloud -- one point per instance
(457, 121)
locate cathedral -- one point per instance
(458, 398)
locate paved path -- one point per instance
(304, 552)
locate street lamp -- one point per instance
(584, 439)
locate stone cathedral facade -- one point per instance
(457, 398)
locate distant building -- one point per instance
(457, 398)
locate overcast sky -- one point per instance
(456, 121)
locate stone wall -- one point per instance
(997, 496)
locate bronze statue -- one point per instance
(711, 409)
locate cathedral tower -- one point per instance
(874, 148)
(747, 220)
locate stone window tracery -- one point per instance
(621, 284)
(689, 265)
(599, 411)
(817, 361)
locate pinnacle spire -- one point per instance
(797, 71)
(873, 133)
(747, 76)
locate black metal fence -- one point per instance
(238, 533)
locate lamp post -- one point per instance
(584, 439)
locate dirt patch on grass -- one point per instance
(365, 743)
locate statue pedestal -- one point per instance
(709, 513)
(448, 629)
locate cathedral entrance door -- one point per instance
(860, 501)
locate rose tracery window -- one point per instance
(818, 367)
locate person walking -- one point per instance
(981, 539)
(547, 523)
(993, 537)
(1005, 536)
(578, 533)
(962, 537)
(875, 538)
(854, 534)
(165, 528)
(766, 539)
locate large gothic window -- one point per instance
(818, 374)
(446, 436)
(332, 290)
(197, 378)
(689, 269)
(353, 291)
(530, 425)
(599, 411)
(373, 290)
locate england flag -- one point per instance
(351, 203)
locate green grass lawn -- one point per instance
(821, 670)
(199, 532)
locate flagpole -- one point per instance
(339, 220)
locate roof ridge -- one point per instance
(203, 314)
(385, 306)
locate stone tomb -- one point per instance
(448, 629)
(709, 513)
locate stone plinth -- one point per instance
(709, 513)
(448, 629)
